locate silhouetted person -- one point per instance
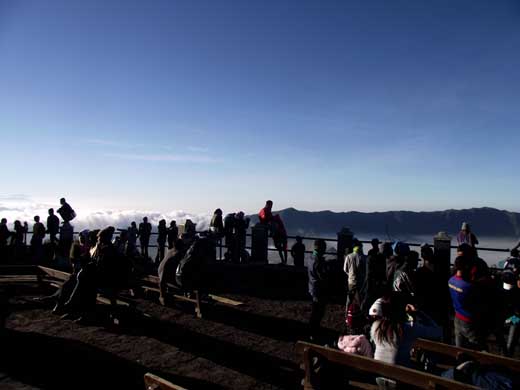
(25, 231)
(216, 225)
(266, 213)
(279, 237)
(190, 230)
(4, 237)
(53, 226)
(37, 240)
(465, 236)
(145, 230)
(66, 238)
(168, 267)
(375, 282)
(375, 247)
(173, 234)
(317, 273)
(229, 234)
(65, 211)
(17, 240)
(298, 252)
(241, 226)
(133, 232)
(162, 234)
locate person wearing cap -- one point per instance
(465, 298)
(466, 236)
(396, 328)
(513, 261)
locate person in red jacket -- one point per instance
(266, 215)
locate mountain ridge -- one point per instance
(485, 221)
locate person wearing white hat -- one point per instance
(466, 236)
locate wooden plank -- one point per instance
(225, 301)
(482, 357)
(16, 269)
(60, 275)
(154, 382)
(18, 279)
(365, 364)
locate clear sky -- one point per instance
(341, 105)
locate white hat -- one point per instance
(465, 226)
(377, 308)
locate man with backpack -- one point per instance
(65, 211)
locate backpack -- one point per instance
(189, 273)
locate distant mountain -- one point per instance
(484, 221)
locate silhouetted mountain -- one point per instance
(484, 221)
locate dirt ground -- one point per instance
(242, 347)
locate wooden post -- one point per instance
(259, 241)
(345, 237)
(442, 255)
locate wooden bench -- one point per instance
(154, 382)
(370, 366)
(452, 351)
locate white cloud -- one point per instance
(87, 219)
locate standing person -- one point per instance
(241, 226)
(17, 240)
(173, 234)
(229, 234)
(404, 279)
(465, 301)
(37, 240)
(66, 238)
(131, 245)
(279, 237)
(145, 230)
(65, 211)
(466, 236)
(375, 282)
(317, 273)
(375, 247)
(53, 226)
(430, 287)
(355, 268)
(298, 252)
(266, 213)
(162, 234)
(4, 236)
(168, 267)
(511, 285)
(216, 225)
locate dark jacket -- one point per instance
(53, 224)
(317, 272)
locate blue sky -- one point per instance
(342, 105)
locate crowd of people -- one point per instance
(392, 301)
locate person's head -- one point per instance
(412, 260)
(36, 218)
(463, 266)
(145, 219)
(427, 253)
(299, 239)
(466, 250)
(173, 223)
(51, 211)
(320, 246)
(133, 224)
(514, 253)
(401, 248)
(162, 222)
(357, 247)
(83, 237)
(240, 215)
(376, 310)
(509, 280)
(465, 227)
(17, 224)
(393, 316)
(269, 204)
(218, 212)
(92, 237)
(375, 244)
(105, 236)
(386, 249)
(4, 221)
(62, 201)
(178, 245)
